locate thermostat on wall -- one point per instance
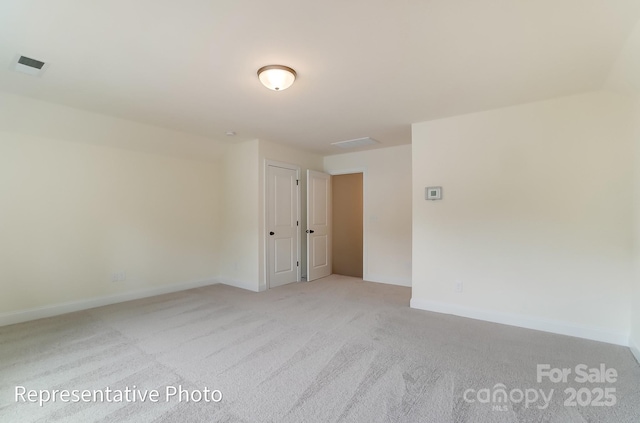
(433, 193)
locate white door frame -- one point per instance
(265, 239)
(365, 221)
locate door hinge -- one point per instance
(297, 223)
(297, 263)
(297, 181)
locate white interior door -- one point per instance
(318, 225)
(282, 226)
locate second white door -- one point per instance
(318, 225)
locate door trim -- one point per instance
(265, 240)
(365, 221)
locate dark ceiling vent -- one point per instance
(24, 64)
(32, 63)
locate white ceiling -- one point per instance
(366, 68)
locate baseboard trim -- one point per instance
(20, 316)
(528, 322)
(635, 350)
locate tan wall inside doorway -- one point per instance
(347, 224)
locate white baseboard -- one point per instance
(20, 316)
(249, 286)
(528, 322)
(635, 350)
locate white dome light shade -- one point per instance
(276, 77)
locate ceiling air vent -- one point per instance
(29, 66)
(358, 142)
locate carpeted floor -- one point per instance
(332, 350)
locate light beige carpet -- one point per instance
(333, 350)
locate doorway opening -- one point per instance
(348, 225)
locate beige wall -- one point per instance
(624, 78)
(634, 338)
(52, 121)
(86, 195)
(387, 210)
(83, 196)
(239, 250)
(346, 191)
(72, 213)
(536, 220)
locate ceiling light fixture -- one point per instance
(277, 77)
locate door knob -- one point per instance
(310, 231)
(272, 233)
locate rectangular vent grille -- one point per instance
(29, 66)
(358, 142)
(32, 63)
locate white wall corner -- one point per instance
(390, 280)
(249, 286)
(527, 322)
(20, 316)
(635, 349)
